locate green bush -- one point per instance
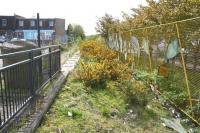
(135, 91)
(105, 112)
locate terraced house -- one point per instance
(26, 28)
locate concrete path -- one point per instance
(69, 65)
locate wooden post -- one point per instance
(184, 69)
(118, 47)
(149, 55)
(131, 49)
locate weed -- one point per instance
(105, 112)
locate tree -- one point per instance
(75, 32)
(105, 24)
(70, 33)
(69, 29)
(157, 12)
(78, 32)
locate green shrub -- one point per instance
(135, 91)
(105, 112)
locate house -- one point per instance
(26, 28)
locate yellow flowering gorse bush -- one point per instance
(92, 73)
(100, 63)
(97, 49)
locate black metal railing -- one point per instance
(19, 82)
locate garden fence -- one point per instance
(173, 51)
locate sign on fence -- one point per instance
(163, 70)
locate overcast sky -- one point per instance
(83, 12)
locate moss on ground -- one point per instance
(102, 110)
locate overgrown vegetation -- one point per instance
(102, 96)
(100, 65)
(153, 16)
(68, 50)
(102, 110)
(171, 87)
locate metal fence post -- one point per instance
(184, 69)
(59, 58)
(31, 76)
(50, 64)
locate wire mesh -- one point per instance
(181, 79)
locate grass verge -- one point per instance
(80, 109)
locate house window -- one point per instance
(21, 23)
(32, 23)
(51, 23)
(4, 22)
(40, 23)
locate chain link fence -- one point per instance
(173, 51)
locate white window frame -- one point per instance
(4, 22)
(32, 23)
(41, 23)
(21, 23)
(51, 23)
